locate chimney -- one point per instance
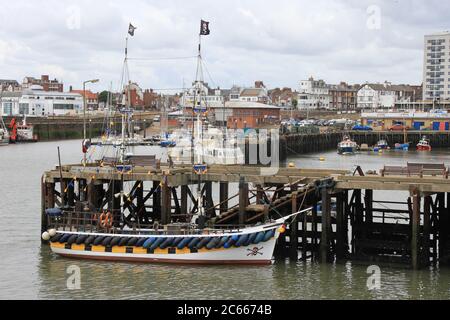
(259, 84)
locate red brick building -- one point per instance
(253, 115)
(44, 82)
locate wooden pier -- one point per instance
(346, 220)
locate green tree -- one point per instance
(103, 96)
(294, 103)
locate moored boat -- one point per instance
(4, 135)
(347, 146)
(382, 144)
(401, 146)
(424, 144)
(252, 245)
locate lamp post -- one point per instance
(84, 112)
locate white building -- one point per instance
(37, 102)
(376, 96)
(212, 97)
(436, 67)
(314, 94)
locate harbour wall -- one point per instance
(64, 128)
(294, 144)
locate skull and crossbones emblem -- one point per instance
(255, 251)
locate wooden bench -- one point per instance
(416, 169)
(108, 161)
(145, 161)
(394, 170)
(430, 169)
(135, 161)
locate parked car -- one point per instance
(360, 127)
(398, 127)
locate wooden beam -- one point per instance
(415, 250)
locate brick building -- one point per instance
(241, 115)
(344, 96)
(45, 82)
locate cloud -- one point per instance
(280, 42)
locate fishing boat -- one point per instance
(405, 145)
(24, 131)
(4, 135)
(382, 144)
(424, 144)
(347, 146)
(401, 146)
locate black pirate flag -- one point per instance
(204, 28)
(131, 29)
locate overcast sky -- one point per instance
(279, 42)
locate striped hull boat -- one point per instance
(254, 245)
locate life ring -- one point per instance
(106, 220)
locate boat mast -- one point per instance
(198, 79)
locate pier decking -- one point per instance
(346, 222)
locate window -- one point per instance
(7, 108)
(24, 108)
(58, 106)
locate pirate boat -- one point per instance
(107, 235)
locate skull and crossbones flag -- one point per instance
(204, 28)
(131, 29)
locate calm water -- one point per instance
(29, 271)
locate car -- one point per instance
(360, 127)
(398, 127)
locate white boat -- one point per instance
(4, 135)
(347, 146)
(25, 132)
(214, 146)
(424, 144)
(252, 245)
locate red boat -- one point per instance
(424, 145)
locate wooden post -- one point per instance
(184, 199)
(326, 220)
(156, 213)
(368, 199)
(71, 194)
(209, 200)
(166, 204)
(91, 195)
(340, 227)
(426, 229)
(44, 220)
(415, 231)
(259, 194)
(293, 235)
(223, 197)
(140, 201)
(243, 200)
(50, 192)
(314, 228)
